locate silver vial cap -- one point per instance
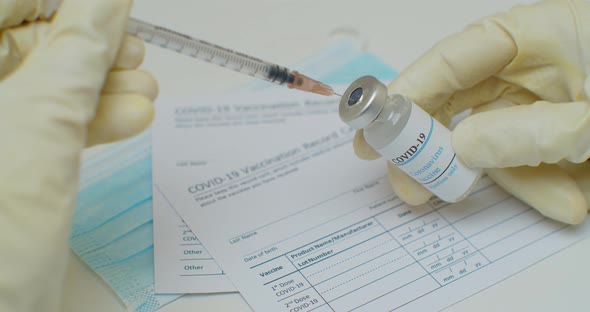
(362, 102)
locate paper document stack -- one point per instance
(259, 191)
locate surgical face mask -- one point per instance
(112, 224)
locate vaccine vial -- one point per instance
(408, 137)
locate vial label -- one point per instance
(423, 150)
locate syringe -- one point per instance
(223, 57)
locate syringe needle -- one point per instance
(340, 95)
(304, 83)
(226, 58)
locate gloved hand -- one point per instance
(65, 83)
(525, 74)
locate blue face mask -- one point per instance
(112, 225)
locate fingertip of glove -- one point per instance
(362, 149)
(155, 87)
(412, 198)
(120, 117)
(572, 213)
(49, 7)
(547, 188)
(142, 108)
(469, 145)
(136, 114)
(576, 218)
(131, 53)
(406, 188)
(151, 87)
(131, 81)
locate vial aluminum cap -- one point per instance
(362, 102)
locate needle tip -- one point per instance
(304, 83)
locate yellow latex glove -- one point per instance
(15, 12)
(64, 83)
(524, 73)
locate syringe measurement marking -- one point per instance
(180, 46)
(226, 61)
(211, 55)
(151, 36)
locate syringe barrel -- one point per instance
(209, 52)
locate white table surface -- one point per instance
(286, 32)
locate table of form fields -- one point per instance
(181, 262)
(398, 254)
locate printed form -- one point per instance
(181, 263)
(298, 223)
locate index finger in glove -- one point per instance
(525, 135)
(547, 188)
(456, 63)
